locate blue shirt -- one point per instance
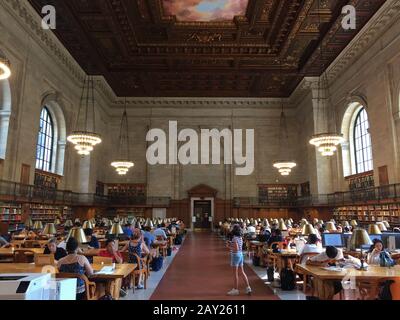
(148, 238)
(94, 243)
(128, 231)
(160, 233)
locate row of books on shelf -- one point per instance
(370, 207)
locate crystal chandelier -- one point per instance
(328, 142)
(123, 164)
(83, 138)
(284, 167)
(5, 71)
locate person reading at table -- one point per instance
(236, 249)
(311, 246)
(276, 236)
(75, 263)
(160, 233)
(375, 251)
(136, 246)
(92, 240)
(148, 237)
(51, 248)
(111, 252)
(327, 289)
(127, 229)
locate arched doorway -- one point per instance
(202, 207)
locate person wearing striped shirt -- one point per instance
(236, 246)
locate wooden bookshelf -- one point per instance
(361, 181)
(11, 215)
(127, 190)
(48, 213)
(369, 213)
(46, 180)
(276, 192)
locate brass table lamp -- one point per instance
(78, 234)
(49, 229)
(358, 240)
(116, 229)
(307, 230)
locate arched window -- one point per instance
(5, 113)
(362, 143)
(45, 143)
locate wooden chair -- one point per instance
(23, 256)
(144, 270)
(303, 259)
(162, 246)
(102, 260)
(44, 259)
(89, 286)
(272, 256)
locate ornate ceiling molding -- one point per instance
(371, 32)
(31, 23)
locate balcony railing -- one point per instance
(17, 192)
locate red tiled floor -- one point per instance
(201, 271)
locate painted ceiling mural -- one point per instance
(205, 10)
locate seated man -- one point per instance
(148, 237)
(92, 240)
(52, 248)
(159, 233)
(128, 230)
(327, 289)
(311, 246)
(111, 252)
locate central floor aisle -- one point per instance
(201, 271)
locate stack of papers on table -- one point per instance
(337, 269)
(106, 270)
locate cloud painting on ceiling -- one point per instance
(205, 10)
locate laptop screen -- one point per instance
(332, 239)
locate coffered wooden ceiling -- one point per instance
(265, 52)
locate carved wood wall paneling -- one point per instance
(141, 51)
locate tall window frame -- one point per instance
(362, 143)
(45, 141)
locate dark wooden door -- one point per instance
(202, 213)
(25, 173)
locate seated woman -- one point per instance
(111, 251)
(92, 240)
(276, 236)
(374, 252)
(75, 263)
(136, 246)
(52, 248)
